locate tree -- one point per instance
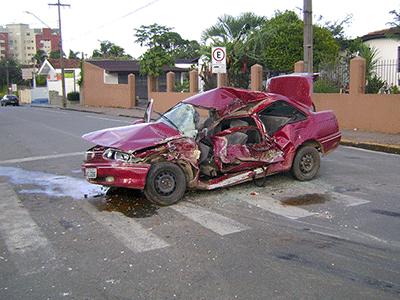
(164, 46)
(156, 35)
(39, 57)
(109, 50)
(153, 61)
(73, 55)
(279, 43)
(396, 18)
(337, 29)
(14, 71)
(55, 54)
(232, 33)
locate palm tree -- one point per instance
(229, 28)
(233, 33)
(39, 57)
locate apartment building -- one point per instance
(21, 42)
(3, 45)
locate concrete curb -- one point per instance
(388, 148)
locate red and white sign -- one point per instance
(218, 59)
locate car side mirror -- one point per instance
(149, 111)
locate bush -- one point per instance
(374, 85)
(41, 80)
(182, 87)
(325, 86)
(73, 96)
(394, 89)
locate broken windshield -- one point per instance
(184, 118)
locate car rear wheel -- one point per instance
(165, 184)
(306, 163)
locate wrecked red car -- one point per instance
(215, 139)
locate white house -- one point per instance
(387, 44)
(52, 69)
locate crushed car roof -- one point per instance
(225, 99)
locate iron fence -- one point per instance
(387, 70)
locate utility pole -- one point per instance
(308, 36)
(58, 4)
(7, 76)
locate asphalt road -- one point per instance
(336, 237)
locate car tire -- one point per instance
(306, 163)
(165, 184)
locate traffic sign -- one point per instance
(218, 59)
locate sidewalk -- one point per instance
(382, 142)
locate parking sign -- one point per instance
(218, 59)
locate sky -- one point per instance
(86, 22)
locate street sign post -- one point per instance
(218, 59)
(27, 73)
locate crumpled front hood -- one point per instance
(132, 137)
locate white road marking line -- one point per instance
(347, 200)
(33, 158)
(133, 235)
(210, 220)
(24, 240)
(276, 207)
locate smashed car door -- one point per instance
(239, 145)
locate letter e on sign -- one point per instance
(218, 59)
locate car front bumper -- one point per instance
(117, 174)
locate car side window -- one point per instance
(278, 114)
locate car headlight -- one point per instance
(121, 156)
(116, 155)
(89, 155)
(109, 154)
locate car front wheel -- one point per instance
(306, 163)
(165, 184)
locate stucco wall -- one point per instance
(164, 101)
(376, 113)
(387, 48)
(97, 93)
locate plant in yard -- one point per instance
(325, 86)
(374, 85)
(73, 96)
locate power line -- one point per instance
(115, 20)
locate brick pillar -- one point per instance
(170, 82)
(132, 90)
(151, 85)
(222, 79)
(193, 81)
(299, 67)
(256, 80)
(357, 75)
